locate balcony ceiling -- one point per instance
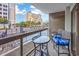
(51, 7)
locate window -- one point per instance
(0, 4)
(4, 5)
(4, 9)
(0, 8)
(0, 12)
(4, 16)
(5, 13)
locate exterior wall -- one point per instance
(11, 13)
(56, 22)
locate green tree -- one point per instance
(27, 23)
(3, 21)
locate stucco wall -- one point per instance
(56, 21)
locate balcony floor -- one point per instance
(52, 50)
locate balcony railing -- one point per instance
(17, 36)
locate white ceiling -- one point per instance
(51, 7)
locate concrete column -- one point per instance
(49, 29)
(68, 23)
(67, 19)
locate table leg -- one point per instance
(34, 50)
(41, 52)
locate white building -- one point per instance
(34, 17)
(8, 11)
(4, 10)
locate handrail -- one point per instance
(10, 38)
(17, 36)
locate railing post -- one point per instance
(40, 33)
(21, 46)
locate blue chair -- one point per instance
(59, 41)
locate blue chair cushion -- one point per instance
(60, 41)
(57, 36)
(55, 40)
(63, 42)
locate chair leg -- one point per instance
(47, 50)
(58, 50)
(54, 45)
(68, 51)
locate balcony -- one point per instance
(17, 45)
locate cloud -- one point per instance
(35, 10)
(32, 6)
(21, 12)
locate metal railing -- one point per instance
(13, 37)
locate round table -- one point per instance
(42, 41)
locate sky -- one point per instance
(23, 8)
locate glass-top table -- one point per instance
(43, 42)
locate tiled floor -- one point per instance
(52, 50)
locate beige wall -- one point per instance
(75, 30)
(56, 21)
